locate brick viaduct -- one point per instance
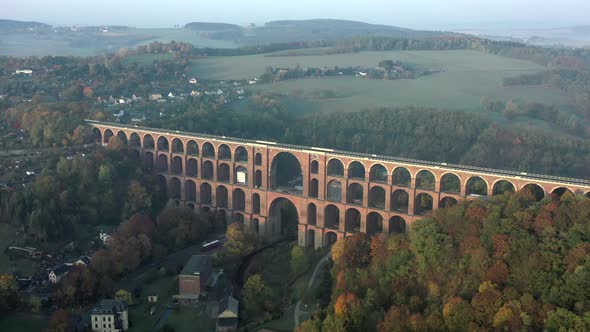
(335, 193)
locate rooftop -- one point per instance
(196, 265)
(108, 306)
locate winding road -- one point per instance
(298, 312)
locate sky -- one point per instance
(423, 14)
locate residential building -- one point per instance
(155, 96)
(227, 315)
(58, 273)
(193, 278)
(83, 261)
(109, 316)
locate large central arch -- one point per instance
(283, 219)
(286, 174)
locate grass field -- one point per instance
(20, 265)
(164, 287)
(23, 323)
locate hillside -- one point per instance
(208, 26)
(18, 26)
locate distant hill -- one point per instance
(18, 26)
(207, 26)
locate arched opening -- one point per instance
(239, 200)
(535, 190)
(192, 148)
(503, 186)
(220, 220)
(134, 140)
(96, 135)
(207, 170)
(356, 170)
(401, 177)
(447, 202)
(205, 210)
(205, 191)
(148, 142)
(313, 188)
(476, 186)
(255, 203)
(425, 180)
(190, 191)
(192, 167)
(423, 204)
(241, 155)
(175, 188)
(558, 193)
(397, 225)
(334, 193)
(177, 146)
(221, 197)
(310, 238)
(122, 136)
(258, 159)
(148, 160)
(162, 163)
(450, 183)
(378, 173)
(163, 144)
(374, 224)
(352, 221)
(223, 173)
(354, 194)
(377, 197)
(286, 174)
(283, 218)
(255, 226)
(315, 167)
(107, 136)
(258, 179)
(163, 185)
(311, 214)
(191, 206)
(177, 165)
(224, 152)
(335, 168)
(330, 238)
(241, 175)
(208, 150)
(238, 217)
(400, 201)
(332, 217)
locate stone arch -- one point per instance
(241, 175)
(352, 221)
(192, 148)
(176, 165)
(397, 225)
(255, 203)
(238, 200)
(502, 186)
(535, 190)
(223, 152)
(190, 191)
(96, 135)
(377, 197)
(205, 193)
(334, 191)
(335, 168)
(207, 170)
(255, 226)
(401, 177)
(378, 173)
(238, 217)
(447, 202)
(283, 217)
(425, 180)
(175, 189)
(122, 137)
(331, 216)
(223, 172)
(314, 188)
(221, 197)
(286, 173)
(162, 163)
(330, 238)
(177, 146)
(374, 224)
(241, 154)
(107, 136)
(356, 170)
(450, 183)
(400, 200)
(148, 159)
(311, 214)
(148, 142)
(208, 150)
(163, 185)
(354, 194)
(258, 159)
(315, 167)
(310, 238)
(476, 186)
(134, 140)
(192, 168)
(558, 192)
(423, 204)
(258, 179)
(163, 144)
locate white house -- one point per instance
(103, 236)
(195, 93)
(109, 316)
(83, 261)
(58, 273)
(170, 95)
(24, 72)
(193, 81)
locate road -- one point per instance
(298, 312)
